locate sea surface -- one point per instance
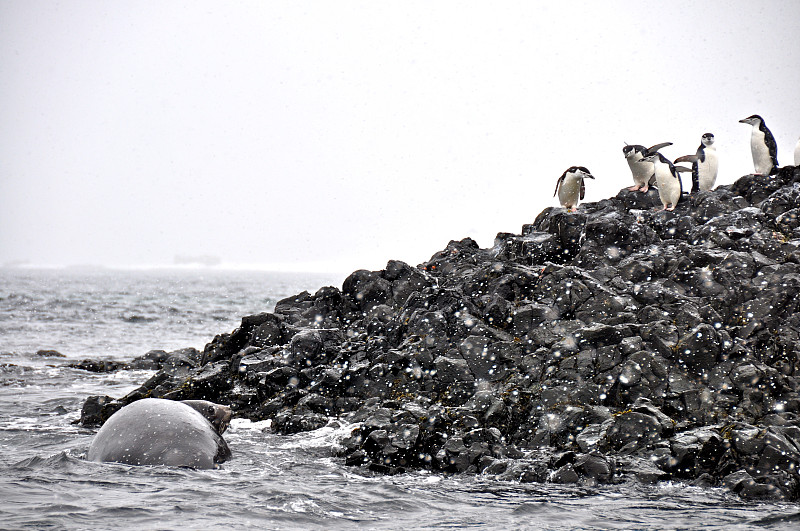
(272, 481)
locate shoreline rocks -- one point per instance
(615, 342)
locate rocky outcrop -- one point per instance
(611, 343)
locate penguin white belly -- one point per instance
(669, 189)
(761, 159)
(569, 192)
(707, 169)
(797, 154)
(641, 171)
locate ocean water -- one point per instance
(272, 481)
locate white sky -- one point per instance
(337, 135)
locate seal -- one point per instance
(154, 431)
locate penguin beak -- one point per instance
(746, 121)
(589, 175)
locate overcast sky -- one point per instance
(337, 135)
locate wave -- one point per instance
(135, 318)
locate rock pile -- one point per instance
(595, 346)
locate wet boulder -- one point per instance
(268, 333)
(97, 409)
(594, 466)
(696, 451)
(568, 228)
(366, 289)
(152, 360)
(405, 280)
(699, 349)
(531, 247)
(630, 431)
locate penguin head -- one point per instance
(579, 171)
(707, 139)
(632, 150)
(752, 120)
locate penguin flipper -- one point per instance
(687, 158)
(683, 168)
(701, 153)
(772, 146)
(695, 179)
(583, 189)
(558, 183)
(652, 180)
(653, 149)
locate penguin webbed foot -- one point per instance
(634, 188)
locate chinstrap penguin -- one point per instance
(643, 175)
(668, 180)
(704, 164)
(763, 146)
(570, 187)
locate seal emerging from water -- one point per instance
(154, 431)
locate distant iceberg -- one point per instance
(205, 260)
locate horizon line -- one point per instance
(304, 267)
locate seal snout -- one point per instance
(218, 415)
(222, 418)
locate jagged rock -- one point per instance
(98, 365)
(366, 289)
(643, 470)
(696, 451)
(616, 342)
(209, 383)
(268, 333)
(632, 430)
(97, 409)
(565, 474)
(152, 360)
(699, 349)
(594, 466)
(49, 353)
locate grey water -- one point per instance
(272, 481)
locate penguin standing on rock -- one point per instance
(668, 180)
(763, 146)
(704, 164)
(570, 187)
(642, 171)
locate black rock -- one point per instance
(49, 353)
(616, 342)
(97, 409)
